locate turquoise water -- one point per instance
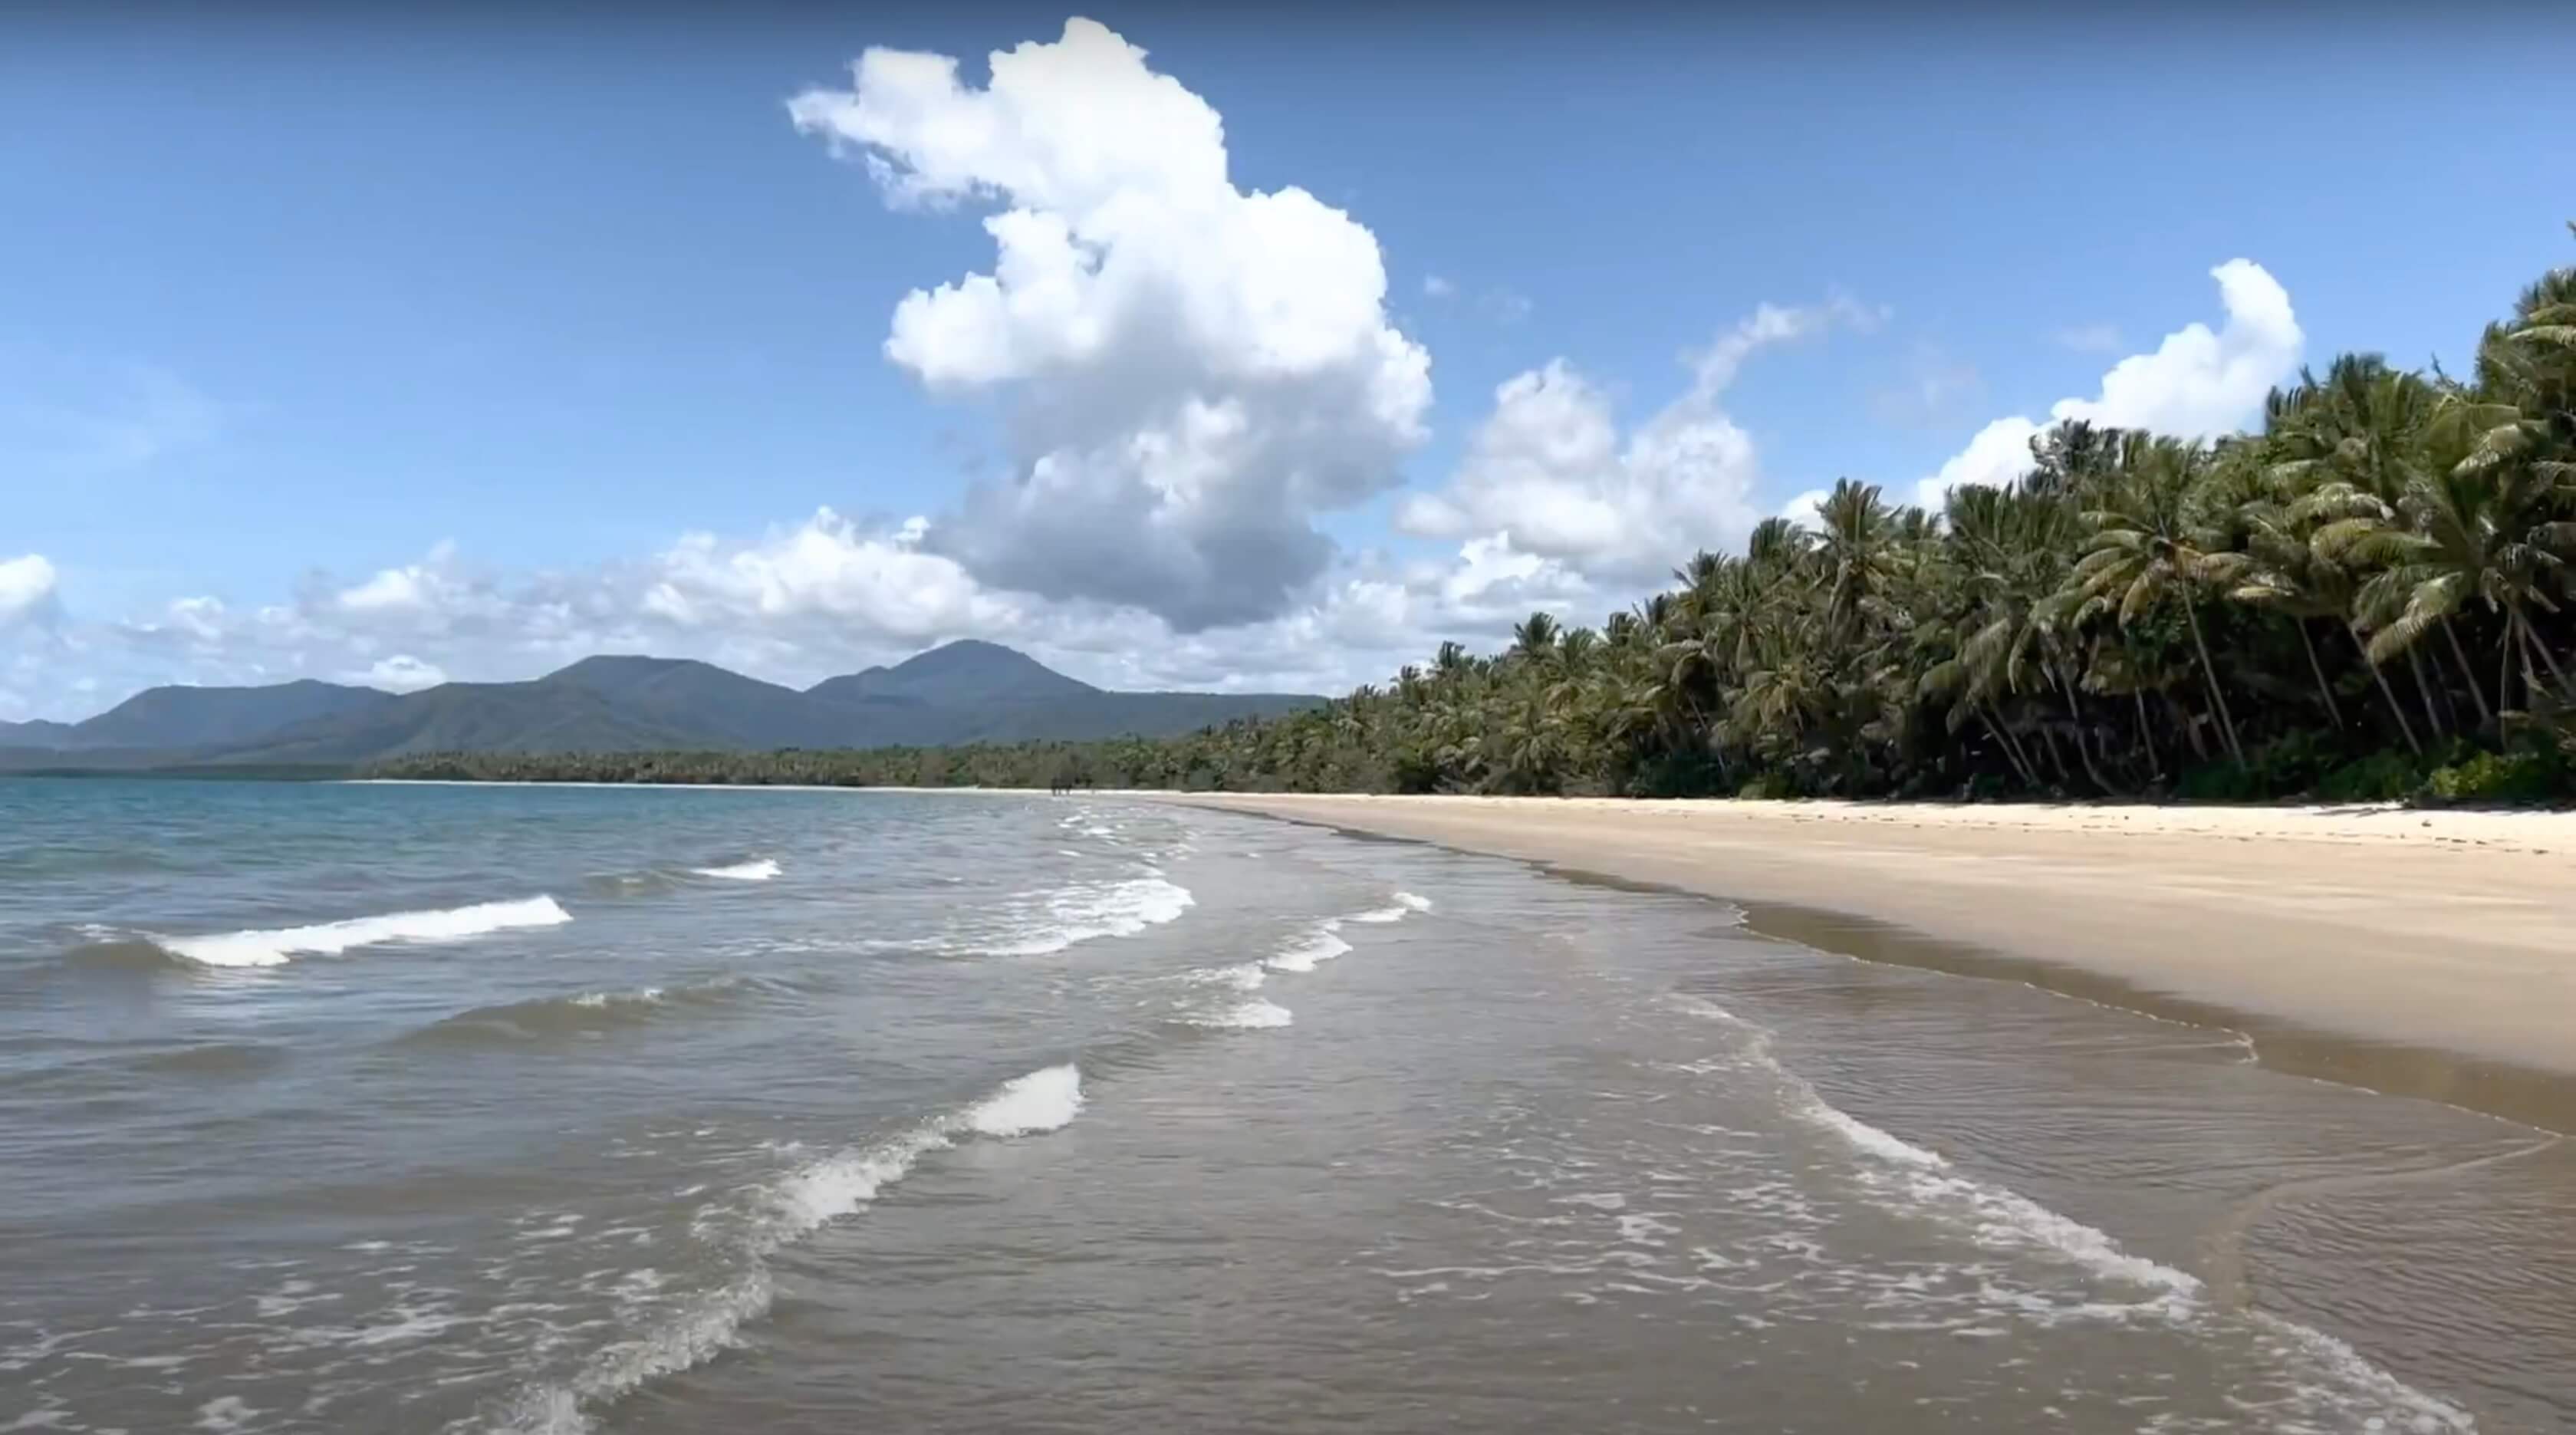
(392, 1108)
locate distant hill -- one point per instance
(955, 674)
(160, 719)
(962, 692)
(39, 733)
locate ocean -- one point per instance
(388, 1108)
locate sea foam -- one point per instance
(1252, 1015)
(1404, 903)
(758, 869)
(276, 947)
(1914, 1179)
(791, 1207)
(1321, 945)
(1044, 1100)
(1089, 910)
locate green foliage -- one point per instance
(2372, 597)
(2518, 777)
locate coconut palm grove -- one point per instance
(2368, 599)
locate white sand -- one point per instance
(2449, 930)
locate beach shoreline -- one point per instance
(2422, 954)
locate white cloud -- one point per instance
(1550, 469)
(2197, 383)
(829, 569)
(2089, 338)
(1434, 286)
(26, 587)
(401, 673)
(1193, 371)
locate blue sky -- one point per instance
(457, 347)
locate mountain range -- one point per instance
(965, 691)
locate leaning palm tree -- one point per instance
(2148, 545)
(2484, 528)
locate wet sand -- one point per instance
(2423, 954)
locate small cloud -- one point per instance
(1506, 306)
(2089, 339)
(1804, 510)
(26, 587)
(1437, 287)
(403, 673)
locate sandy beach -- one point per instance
(2422, 953)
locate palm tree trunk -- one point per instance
(2011, 754)
(2190, 729)
(2324, 690)
(2531, 636)
(2424, 686)
(2209, 672)
(2504, 667)
(2075, 712)
(2147, 735)
(2477, 694)
(2056, 759)
(2386, 691)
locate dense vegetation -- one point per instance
(2368, 598)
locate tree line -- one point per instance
(2368, 597)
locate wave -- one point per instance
(581, 1015)
(1044, 1100)
(1090, 910)
(277, 946)
(105, 951)
(1244, 976)
(1253, 1015)
(793, 1206)
(1321, 945)
(1405, 903)
(1918, 1180)
(758, 869)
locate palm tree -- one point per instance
(2148, 545)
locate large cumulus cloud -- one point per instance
(1192, 371)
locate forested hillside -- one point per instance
(2368, 598)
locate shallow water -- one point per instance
(417, 1108)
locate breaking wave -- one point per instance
(1321, 945)
(580, 1016)
(275, 947)
(1910, 1179)
(1404, 904)
(1253, 1015)
(1085, 911)
(790, 1207)
(758, 869)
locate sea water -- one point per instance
(443, 1108)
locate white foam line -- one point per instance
(1321, 945)
(2003, 1217)
(1115, 909)
(453, 924)
(1405, 902)
(758, 869)
(797, 1204)
(1253, 1015)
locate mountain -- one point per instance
(40, 734)
(161, 719)
(963, 692)
(540, 716)
(956, 674)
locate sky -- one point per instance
(1205, 348)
